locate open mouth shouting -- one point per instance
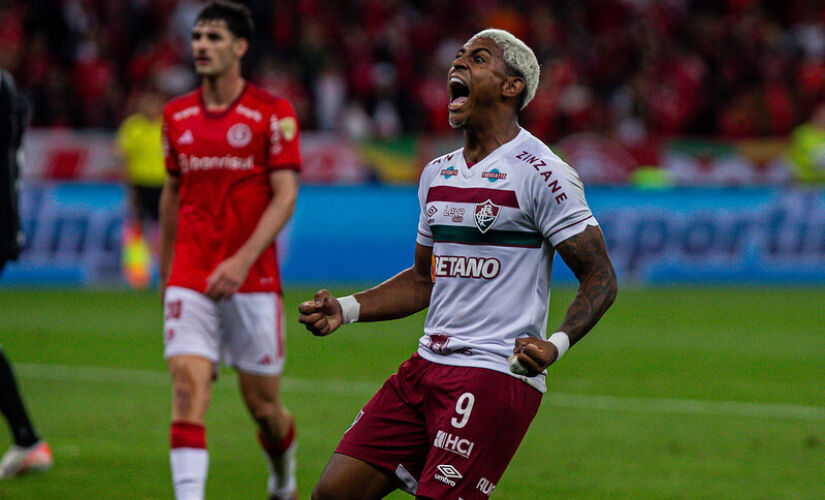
(459, 93)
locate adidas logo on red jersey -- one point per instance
(186, 138)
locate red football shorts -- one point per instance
(446, 432)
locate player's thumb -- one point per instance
(535, 352)
(320, 297)
(324, 301)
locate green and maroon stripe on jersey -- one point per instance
(502, 197)
(469, 235)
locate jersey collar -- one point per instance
(469, 172)
(221, 114)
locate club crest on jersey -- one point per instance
(239, 135)
(485, 215)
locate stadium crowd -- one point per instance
(633, 69)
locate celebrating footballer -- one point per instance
(232, 155)
(493, 214)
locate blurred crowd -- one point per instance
(632, 69)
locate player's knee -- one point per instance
(189, 399)
(264, 412)
(324, 491)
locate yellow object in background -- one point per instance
(136, 258)
(139, 141)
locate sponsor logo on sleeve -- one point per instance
(239, 135)
(454, 444)
(447, 474)
(289, 128)
(486, 214)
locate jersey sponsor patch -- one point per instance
(239, 135)
(493, 175)
(452, 443)
(186, 113)
(486, 214)
(460, 266)
(252, 114)
(192, 163)
(449, 172)
(485, 486)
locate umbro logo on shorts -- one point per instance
(446, 473)
(266, 359)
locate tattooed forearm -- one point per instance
(586, 256)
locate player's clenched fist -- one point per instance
(532, 356)
(322, 315)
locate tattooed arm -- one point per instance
(586, 255)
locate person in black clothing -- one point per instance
(29, 452)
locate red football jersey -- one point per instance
(224, 160)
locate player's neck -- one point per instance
(482, 139)
(221, 91)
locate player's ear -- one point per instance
(512, 86)
(240, 46)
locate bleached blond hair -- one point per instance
(519, 58)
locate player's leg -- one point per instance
(188, 455)
(28, 452)
(476, 420)
(255, 346)
(276, 431)
(192, 339)
(348, 478)
(386, 445)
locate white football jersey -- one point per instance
(493, 228)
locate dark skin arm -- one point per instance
(586, 255)
(405, 293)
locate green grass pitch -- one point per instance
(679, 393)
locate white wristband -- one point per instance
(562, 343)
(350, 309)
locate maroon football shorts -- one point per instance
(446, 432)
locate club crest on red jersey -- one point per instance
(239, 135)
(485, 215)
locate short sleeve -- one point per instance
(560, 209)
(170, 156)
(425, 234)
(284, 138)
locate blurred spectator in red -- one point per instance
(633, 68)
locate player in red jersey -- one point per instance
(232, 155)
